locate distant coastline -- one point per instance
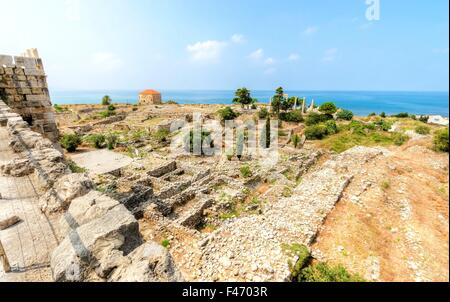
(360, 102)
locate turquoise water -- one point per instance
(360, 102)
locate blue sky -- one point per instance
(212, 44)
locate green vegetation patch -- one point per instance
(440, 140)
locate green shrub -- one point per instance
(111, 141)
(424, 119)
(295, 140)
(97, 141)
(345, 115)
(246, 172)
(263, 113)
(107, 113)
(294, 116)
(372, 114)
(384, 125)
(423, 130)
(332, 128)
(315, 118)
(328, 108)
(440, 140)
(161, 135)
(74, 168)
(106, 100)
(322, 272)
(383, 114)
(400, 139)
(58, 108)
(171, 102)
(357, 127)
(165, 243)
(316, 132)
(227, 114)
(401, 115)
(254, 107)
(70, 142)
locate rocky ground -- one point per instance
(382, 212)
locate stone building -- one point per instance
(150, 97)
(23, 87)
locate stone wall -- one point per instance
(23, 87)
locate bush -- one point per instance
(227, 114)
(332, 128)
(328, 108)
(383, 114)
(372, 114)
(401, 115)
(74, 168)
(345, 115)
(70, 142)
(254, 107)
(357, 127)
(106, 100)
(316, 132)
(424, 119)
(97, 141)
(295, 140)
(263, 114)
(315, 118)
(384, 125)
(58, 108)
(440, 140)
(423, 130)
(161, 135)
(400, 139)
(245, 171)
(322, 272)
(111, 141)
(171, 102)
(294, 116)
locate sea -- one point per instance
(362, 103)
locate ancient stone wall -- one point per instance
(23, 87)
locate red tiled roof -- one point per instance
(149, 92)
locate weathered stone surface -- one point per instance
(163, 169)
(149, 263)
(91, 245)
(7, 223)
(66, 189)
(85, 209)
(17, 168)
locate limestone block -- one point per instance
(23, 90)
(6, 60)
(2, 71)
(10, 91)
(36, 90)
(19, 71)
(19, 98)
(38, 98)
(21, 84)
(9, 71)
(34, 72)
(19, 77)
(28, 63)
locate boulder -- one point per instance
(148, 263)
(96, 248)
(66, 189)
(85, 209)
(17, 168)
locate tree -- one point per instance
(243, 97)
(277, 100)
(106, 101)
(328, 108)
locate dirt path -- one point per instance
(28, 244)
(392, 222)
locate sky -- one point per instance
(225, 44)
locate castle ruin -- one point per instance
(23, 87)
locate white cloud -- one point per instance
(294, 57)
(311, 30)
(257, 54)
(441, 51)
(207, 50)
(106, 61)
(269, 61)
(238, 39)
(330, 55)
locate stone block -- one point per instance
(23, 90)
(9, 71)
(36, 90)
(2, 71)
(19, 77)
(28, 63)
(34, 72)
(19, 71)
(6, 60)
(38, 98)
(10, 91)
(21, 84)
